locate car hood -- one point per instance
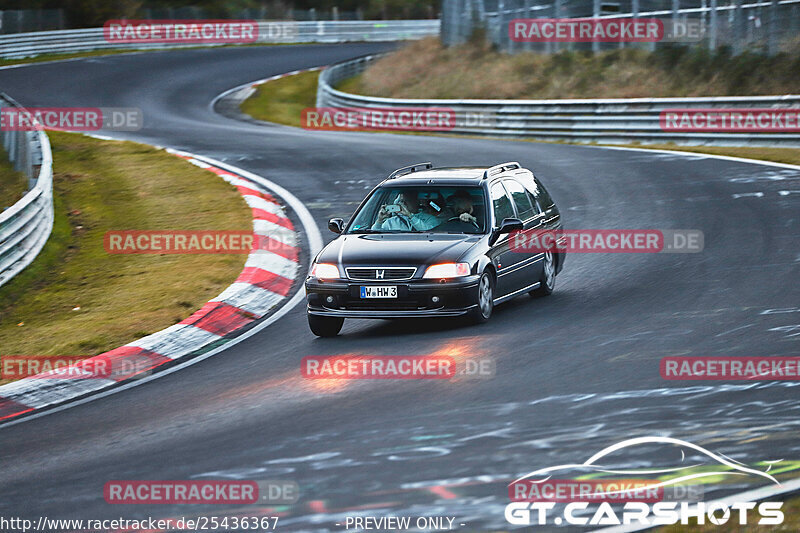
(396, 249)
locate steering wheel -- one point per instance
(473, 222)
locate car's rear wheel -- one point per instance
(547, 283)
(325, 326)
(485, 304)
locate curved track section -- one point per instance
(575, 372)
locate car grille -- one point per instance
(365, 305)
(381, 273)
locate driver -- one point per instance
(463, 208)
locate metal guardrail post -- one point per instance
(772, 31)
(712, 37)
(739, 28)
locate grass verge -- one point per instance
(282, 100)
(13, 184)
(76, 299)
(426, 69)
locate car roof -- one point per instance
(448, 175)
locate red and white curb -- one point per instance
(265, 281)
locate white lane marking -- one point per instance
(748, 194)
(711, 156)
(315, 245)
(734, 329)
(780, 310)
(791, 331)
(197, 163)
(787, 193)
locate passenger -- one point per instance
(397, 220)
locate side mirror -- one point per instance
(507, 226)
(336, 225)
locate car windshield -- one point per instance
(418, 209)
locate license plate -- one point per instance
(386, 291)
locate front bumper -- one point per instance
(415, 298)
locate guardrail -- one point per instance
(26, 226)
(610, 121)
(324, 31)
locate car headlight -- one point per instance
(447, 270)
(325, 271)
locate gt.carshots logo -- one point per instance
(181, 31)
(668, 498)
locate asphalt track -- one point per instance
(576, 372)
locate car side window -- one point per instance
(501, 203)
(544, 196)
(522, 201)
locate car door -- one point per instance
(505, 260)
(529, 263)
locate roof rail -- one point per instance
(409, 169)
(502, 167)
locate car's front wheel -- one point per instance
(547, 283)
(483, 311)
(325, 326)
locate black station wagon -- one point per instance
(432, 242)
